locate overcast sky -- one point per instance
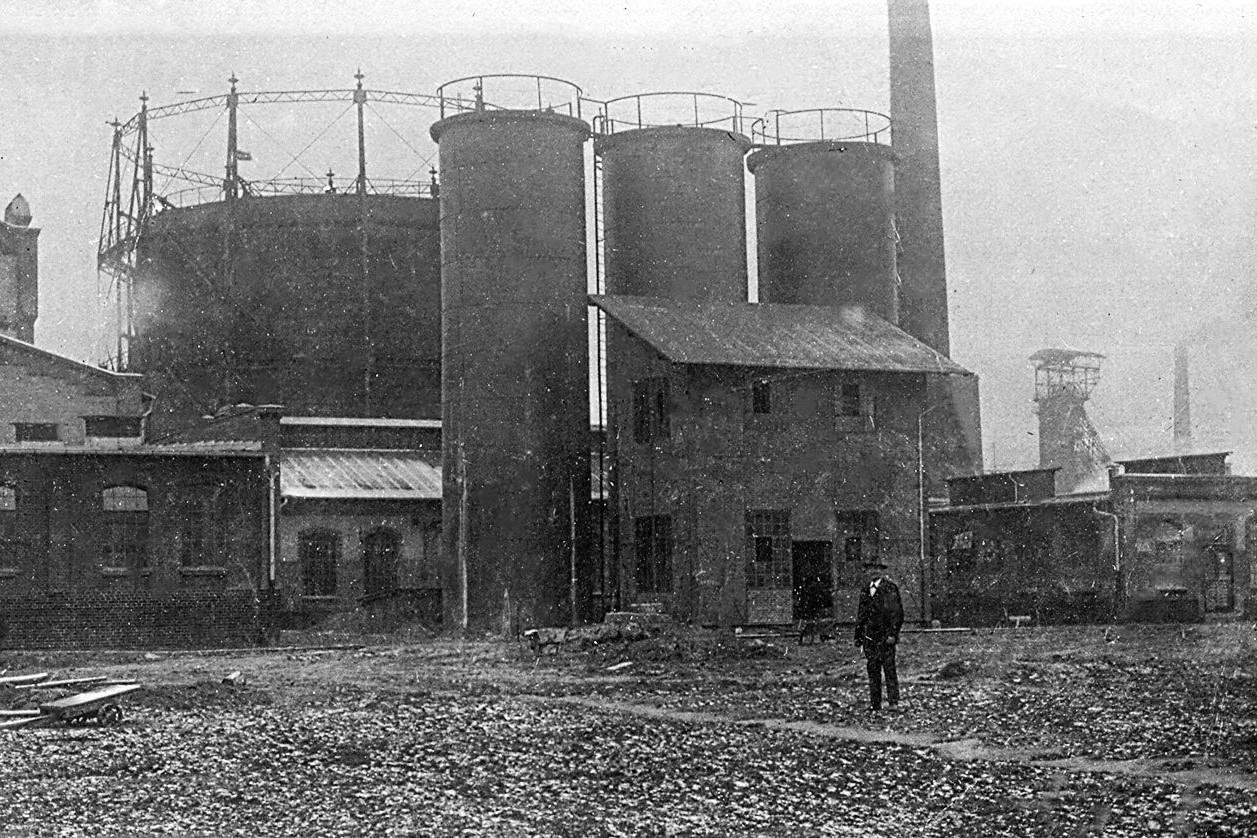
(1098, 158)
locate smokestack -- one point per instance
(918, 190)
(1182, 401)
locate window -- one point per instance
(761, 397)
(319, 553)
(126, 536)
(652, 536)
(859, 536)
(650, 410)
(380, 551)
(204, 529)
(35, 431)
(12, 550)
(849, 403)
(112, 426)
(768, 548)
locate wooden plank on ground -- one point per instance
(65, 682)
(82, 700)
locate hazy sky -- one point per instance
(1098, 158)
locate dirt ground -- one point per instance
(1082, 731)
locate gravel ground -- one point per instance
(445, 738)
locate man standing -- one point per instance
(877, 625)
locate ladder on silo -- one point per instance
(600, 361)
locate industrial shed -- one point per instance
(1008, 544)
(760, 455)
(360, 526)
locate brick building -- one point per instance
(108, 541)
(360, 522)
(761, 453)
(51, 401)
(1187, 537)
(358, 516)
(1007, 543)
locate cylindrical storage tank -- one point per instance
(297, 300)
(825, 223)
(674, 213)
(515, 375)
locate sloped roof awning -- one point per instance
(774, 335)
(342, 474)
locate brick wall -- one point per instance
(134, 620)
(58, 540)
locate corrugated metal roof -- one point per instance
(774, 335)
(358, 475)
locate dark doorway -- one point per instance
(380, 551)
(1220, 580)
(319, 553)
(813, 580)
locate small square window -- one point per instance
(761, 397)
(35, 431)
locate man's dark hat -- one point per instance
(876, 564)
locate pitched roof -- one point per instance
(774, 335)
(357, 474)
(70, 363)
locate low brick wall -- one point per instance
(186, 620)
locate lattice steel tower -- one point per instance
(1063, 381)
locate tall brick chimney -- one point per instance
(918, 190)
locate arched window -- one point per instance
(381, 549)
(126, 538)
(318, 551)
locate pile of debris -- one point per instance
(38, 700)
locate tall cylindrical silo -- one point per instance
(515, 385)
(825, 223)
(674, 204)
